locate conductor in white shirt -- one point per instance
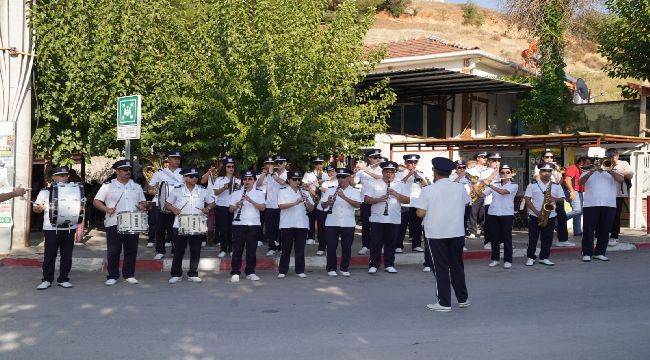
(442, 205)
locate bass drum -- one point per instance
(66, 204)
(163, 193)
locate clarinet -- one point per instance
(304, 199)
(241, 201)
(230, 185)
(386, 206)
(329, 211)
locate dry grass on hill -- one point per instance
(496, 36)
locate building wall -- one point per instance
(611, 117)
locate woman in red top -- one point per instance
(573, 192)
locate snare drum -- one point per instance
(195, 224)
(66, 204)
(132, 222)
(163, 192)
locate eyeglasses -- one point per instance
(342, 176)
(461, 167)
(505, 172)
(230, 166)
(548, 156)
(192, 176)
(125, 170)
(279, 162)
(295, 179)
(248, 179)
(411, 161)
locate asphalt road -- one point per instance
(572, 311)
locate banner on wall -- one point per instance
(7, 171)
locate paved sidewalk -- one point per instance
(90, 255)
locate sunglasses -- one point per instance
(342, 176)
(248, 179)
(548, 156)
(411, 162)
(279, 162)
(192, 176)
(505, 172)
(461, 167)
(230, 166)
(125, 170)
(295, 179)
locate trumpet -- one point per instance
(607, 164)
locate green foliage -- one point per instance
(625, 39)
(230, 76)
(394, 7)
(472, 14)
(548, 107)
(587, 26)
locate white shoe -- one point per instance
(470, 236)
(464, 304)
(426, 269)
(586, 258)
(547, 262)
(204, 244)
(195, 279)
(332, 273)
(270, 253)
(259, 244)
(565, 244)
(418, 249)
(372, 270)
(612, 242)
(282, 276)
(391, 270)
(399, 250)
(174, 279)
(310, 242)
(110, 282)
(530, 262)
(345, 273)
(493, 264)
(320, 252)
(487, 246)
(601, 257)
(507, 265)
(158, 257)
(234, 278)
(221, 254)
(65, 285)
(149, 244)
(168, 244)
(253, 277)
(438, 307)
(302, 275)
(363, 251)
(44, 285)
(132, 280)
(464, 248)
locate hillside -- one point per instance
(495, 36)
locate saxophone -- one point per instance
(148, 171)
(547, 206)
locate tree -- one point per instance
(625, 39)
(548, 107)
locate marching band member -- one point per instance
(414, 180)
(599, 209)
(535, 201)
(319, 212)
(442, 205)
(222, 187)
(460, 176)
(314, 179)
(501, 215)
(385, 197)
(623, 191)
(275, 179)
(366, 177)
(56, 239)
(170, 175)
(188, 199)
(115, 196)
(340, 203)
(477, 215)
(294, 204)
(494, 162)
(245, 205)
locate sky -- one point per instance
(491, 4)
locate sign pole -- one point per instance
(127, 149)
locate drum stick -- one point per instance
(118, 200)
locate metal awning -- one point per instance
(438, 81)
(579, 139)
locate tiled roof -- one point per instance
(422, 46)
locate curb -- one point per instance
(312, 262)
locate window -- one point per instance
(395, 119)
(413, 119)
(434, 122)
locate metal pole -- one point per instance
(127, 149)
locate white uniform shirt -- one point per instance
(483, 172)
(295, 216)
(43, 198)
(361, 177)
(378, 189)
(327, 184)
(414, 189)
(444, 202)
(464, 181)
(623, 167)
(249, 213)
(172, 178)
(189, 202)
(600, 190)
(312, 179)
(223, 198)
(535, 191)
(342, 212)
(556, 176)
(128, 195)
(502, 205)
(273, 189)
